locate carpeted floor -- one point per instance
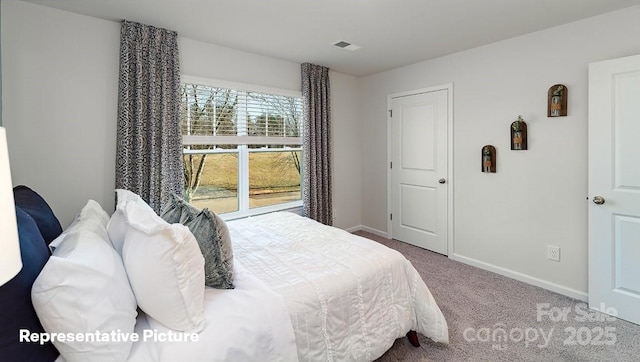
(495, 318)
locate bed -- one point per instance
(301, 291)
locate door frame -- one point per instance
(450, 180)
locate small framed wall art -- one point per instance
(489, 159)
(557, 101)
(519, 134)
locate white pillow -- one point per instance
(93, 211)
(92, 217)
(117, 225)
(164, 265)
(84, 288)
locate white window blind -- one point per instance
(224, 116)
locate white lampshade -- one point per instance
(10, 261)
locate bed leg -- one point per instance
(413, 338)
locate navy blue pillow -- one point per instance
(29, 201)
(15, 298)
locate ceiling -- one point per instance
(391, 33)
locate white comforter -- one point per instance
(348, 297)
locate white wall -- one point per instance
(347, 151)
(504, 221)
(60, 86)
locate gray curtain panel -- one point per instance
(149, 143)
(316, 194)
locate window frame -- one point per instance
(243, 151)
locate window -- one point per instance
(242, 147)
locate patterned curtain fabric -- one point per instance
(316, 146)
(149, 143)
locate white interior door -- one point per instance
(419, 169)
(614, 187)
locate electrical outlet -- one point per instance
(553, 253)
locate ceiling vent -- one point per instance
(346, 45)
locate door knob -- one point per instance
(598, 200)
(442, 181)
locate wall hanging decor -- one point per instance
(489, 159)
(557, 101)
(519, 134)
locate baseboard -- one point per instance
(368, 229)
(523, 278)
(353, 229)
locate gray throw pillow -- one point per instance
(173, 208)
(212, 235)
